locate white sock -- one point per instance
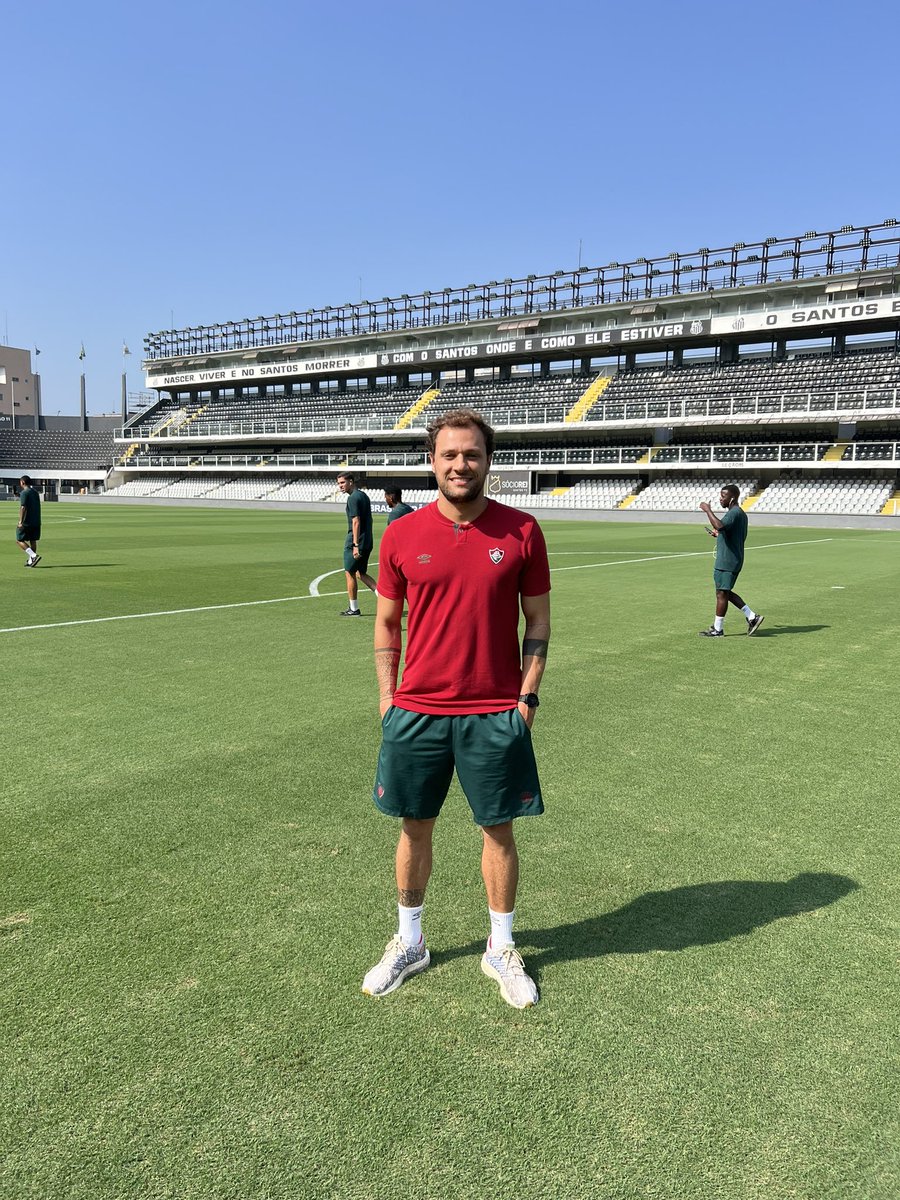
(501, 929)
(410, 924)
(748, 612)
(354, 606)
(719, 623)
(29, 553)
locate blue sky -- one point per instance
(210, 162)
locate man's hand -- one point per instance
(527, 714)
(705, 507)
(385, 703)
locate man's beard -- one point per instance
(474, 489)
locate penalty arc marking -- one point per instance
(314, 586)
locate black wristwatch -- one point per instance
(530, 700)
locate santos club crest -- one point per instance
(496, 554)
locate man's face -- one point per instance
(460, 463)
(725, 498)
(345, 484)
(390, 499)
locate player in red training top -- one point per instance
(468, 695)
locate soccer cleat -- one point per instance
(516, 985)
(397, 963)
(753, 625)
(712, 632)
(350, 612)
(35, 560)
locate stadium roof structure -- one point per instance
(516, 302)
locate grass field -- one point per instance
(194, 881)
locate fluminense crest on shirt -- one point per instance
(496, 554)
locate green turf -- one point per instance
(194, 881)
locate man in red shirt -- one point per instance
(468, 695)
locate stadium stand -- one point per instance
(685, 495)
(22, 449)
(846, 495)
(806, 383)
(643, 385)
(511, 402)
(146, 486)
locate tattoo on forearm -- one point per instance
(411, 897)
(536, 647)
(387, 664)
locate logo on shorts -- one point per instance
(527, 797)
(496, 554)
(380, 792)
(424, 558)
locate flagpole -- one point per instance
(81, 357)
(36, 379)
(125, 351)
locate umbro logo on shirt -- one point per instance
(496, 554)
(424, 558)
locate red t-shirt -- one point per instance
(462, 584)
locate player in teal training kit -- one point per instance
(28, 531)
(393, 498)
(359, 542)
(730, 532)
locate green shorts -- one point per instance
(725, 580)
(492, 754)
(28, 533)
(351, 564)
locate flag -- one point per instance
(36, 352)
(125, 349)
(82, 355)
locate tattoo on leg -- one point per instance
(411, 897)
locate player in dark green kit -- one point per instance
(28, 531)
(393, 498)
(730, 532)
(359, 542)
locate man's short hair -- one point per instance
(346, 475)
(393, 490)
(459, 418)
(732, 489)
(26, 479)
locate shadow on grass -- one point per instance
(778, 630)
(73, 566)
(697, 915)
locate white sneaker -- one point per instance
(397, 962)
(516, 985)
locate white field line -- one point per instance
(314, 592)
(170, 612)
(621, 562)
